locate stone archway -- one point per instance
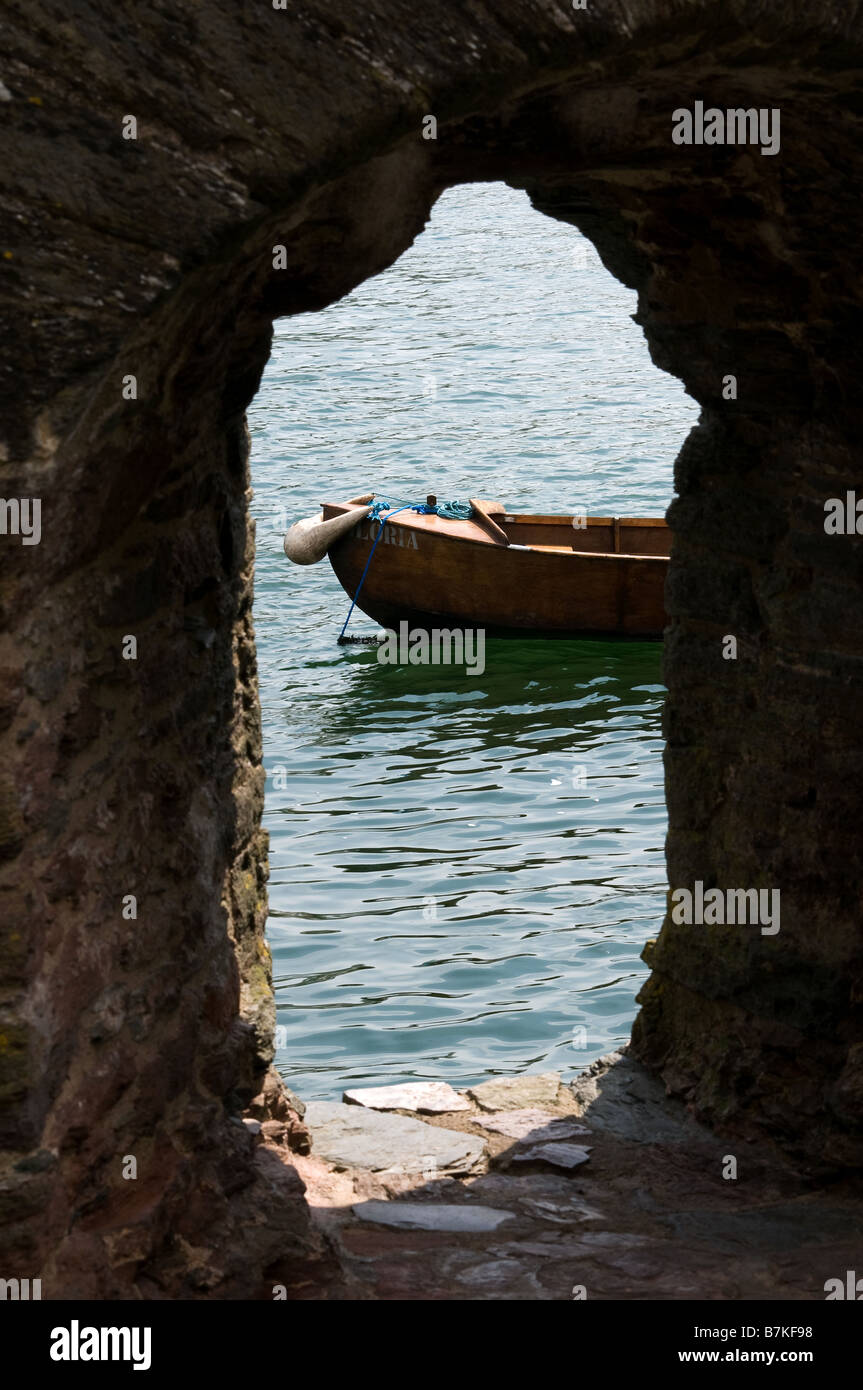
(140, 284)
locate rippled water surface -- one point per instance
(464, 868)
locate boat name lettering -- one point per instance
(393, 535)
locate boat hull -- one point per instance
(433, 573)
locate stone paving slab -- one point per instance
(352, 1137)
(425, 1097)
(533, 1123)
(517, 1092)
(433, 1216)
(558, 1155)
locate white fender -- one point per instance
(308, 541)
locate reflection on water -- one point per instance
(464, 868)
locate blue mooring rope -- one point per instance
(450, 511)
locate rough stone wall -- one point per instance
(153, 257)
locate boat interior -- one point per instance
(607, 535)
(610, 535)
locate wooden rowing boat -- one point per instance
(506, 572)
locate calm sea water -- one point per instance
(463, 869)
